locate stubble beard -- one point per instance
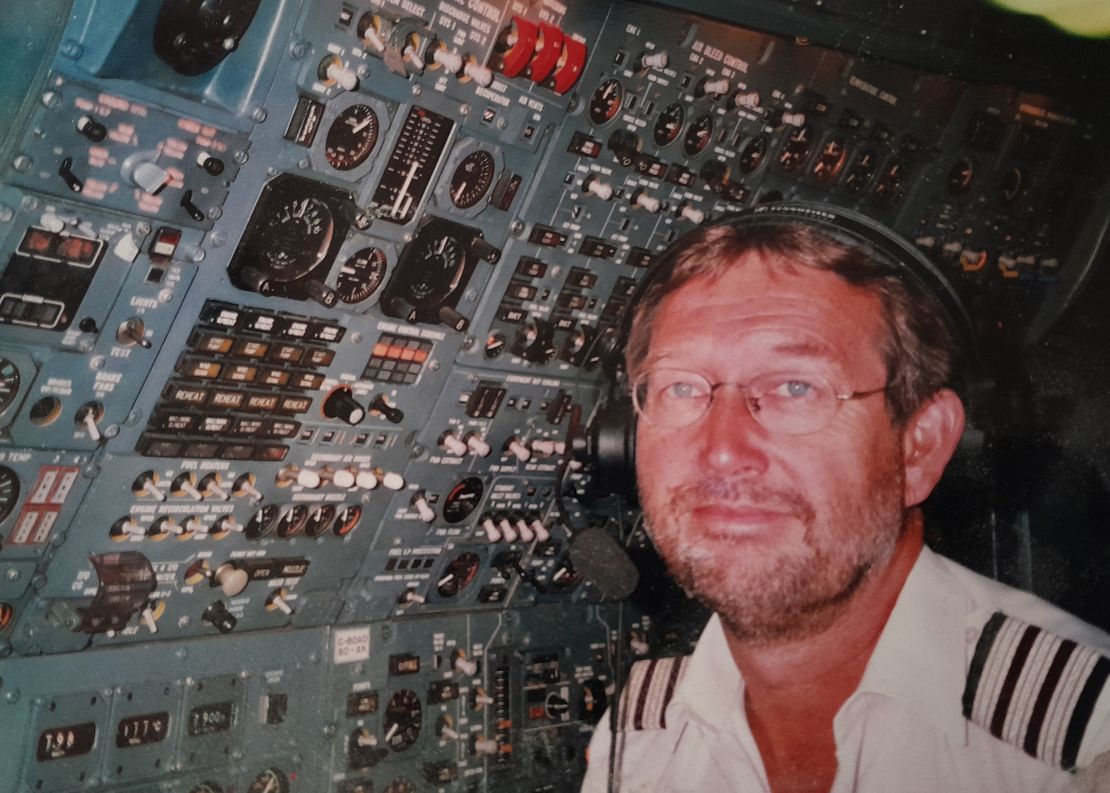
(767, 596)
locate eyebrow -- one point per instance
(809, 349)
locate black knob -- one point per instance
(452, 318)
(535, 341)
(212, 165)
(321, 293)
(715, 174)
(341, 404)
(219, 617)
(392, 414)
(625, 145)
(92, 129)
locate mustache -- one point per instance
(722, 490)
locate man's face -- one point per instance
(773, 531)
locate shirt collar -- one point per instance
(920, 660)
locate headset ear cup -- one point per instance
(613, 449)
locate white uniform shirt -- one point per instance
(903, 730)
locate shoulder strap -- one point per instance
(651, 686)
(1033, 690)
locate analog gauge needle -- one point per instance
(442, 247)
(458, 193)
(360, 126)
(403, 193)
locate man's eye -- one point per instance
(681, 390)
(793, 389)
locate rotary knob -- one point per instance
(341, 404)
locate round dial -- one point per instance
(861, 171)
(293, 520)
(262, 521)
(347, 519)
(272, 780)
(9, 383)
(9, 491)
(798, 145)
(361, 275)
(754, 152)
(403, 715)
(472, 179)
(437, 271)
(606, 101)
(462, 499)
(351, 137)
(888, 190)
(834, 153)
(319, 520)
(458, 574)
(698, 135)
(669, 124)
(496, 343)
(295, 238)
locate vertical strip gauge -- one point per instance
(420, 144)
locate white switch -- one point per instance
(719, 86)
(520, 451)
(343, 76)
(393, 481)
(451, 61)
(654, 60)
(427, 514)
(478, 73)
(453, 445)
(492, 534)
(150, 177)
(477, 446)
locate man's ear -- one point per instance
(928, 442)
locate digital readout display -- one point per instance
(215, 717)
(58, 743)
(142, 730)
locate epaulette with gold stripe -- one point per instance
(1033, 690)
(651, 685)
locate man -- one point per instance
(790, 379)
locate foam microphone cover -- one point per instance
(598, 557)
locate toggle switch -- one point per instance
(709, 86)
(595, 186)
(508, 533)
(480, 74)
(345, 478)
(391, 480)
(463, 665)
(749, 99)
(183, 486)
(525, 531)
(277, 601)
(477, 446)
(87, 417)
(191, 209)
(653, 60)
(131, 332)
(794, 119)
(451, 443)
(646, 201)
(420, 503)
(444, 728)
(410, 597)
(226, 524)
(210, 486)
(244, 486)
(392, 414)
(334, 72)
(518, 450)
(491, 530)
(691, 213)
(542, 534)
(448, 59)
(147, 483)
(219, 617)
(230, 579)
(485, 746)
(367, 480)
(72, 181)
(148, 619)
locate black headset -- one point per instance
(608, 443)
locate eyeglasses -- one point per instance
(791, 403)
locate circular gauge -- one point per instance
(888, 189)
(262, 521)
(292, 520)
(1009, 189)
(9, 491)
(361, 275)
(347, 519)
(272, 780)
(606, 101)
(960, 178)
(295, 238)
(437, 270)
(753, 153)
(401, 785)
(458, 574)
(834, 153)
(319, 520)
(798, 145)
(860, 171)
(462, 499)
(403, 715)
(669, 124)
(698, 135)
(9, 383)
(472, 179)
(351, 137)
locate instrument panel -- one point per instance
(302, 303)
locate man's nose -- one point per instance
(733, 442)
